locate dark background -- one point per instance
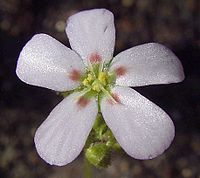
(174, 23)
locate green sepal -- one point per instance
(98, 122)
(100, 126)
(116, 146)
(91, 139)
(66, 93)
(99, 155)
(108, 64)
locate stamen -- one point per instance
(97, 81)
(116, 99)
(111, 98)
(90, 77)
(102, 77)
(96, 86)
(86, 82)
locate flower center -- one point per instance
(98, 80)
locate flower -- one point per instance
(99, 82)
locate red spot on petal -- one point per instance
(95, 58)
(75, 75)
(120, 71)
(116, 98)
(83, 102)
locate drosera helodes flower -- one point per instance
(100, 103)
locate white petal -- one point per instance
(92, 32)
(142, 129)
(46, 62)
(62, 136)
(147, 64)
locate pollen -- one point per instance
(96, 86)
(86, 82)
(90, 77)
(102, 77)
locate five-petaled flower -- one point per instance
(142, 129)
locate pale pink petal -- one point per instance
(46, 62)
(92, 33)
(62, 136)
(147, 64)
(142, 129)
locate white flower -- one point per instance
(142, 129)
